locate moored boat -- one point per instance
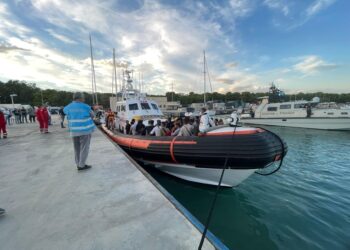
(201, 158)
(299, 114)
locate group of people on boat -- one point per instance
(180, 127)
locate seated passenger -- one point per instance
(156, 130)
(165, 131)
(149, 127)
(205, 122)
(187, 128)
(195, 123)
(216, 121)
(176, 129)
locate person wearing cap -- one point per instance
(81, 126)
(205, 122)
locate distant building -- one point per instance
(197, 105)
(16, 106)
(164, 104)
(219, 106)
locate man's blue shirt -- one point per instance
(79, 119)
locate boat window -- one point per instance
(123, 108)
(299, 105)
(330, 113)
(272, 109)
(133, 106)
(286, 106)
(344, 113)
(154, 106)
(144, 105)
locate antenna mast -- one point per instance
(115, 75)
(93, 78)
(172, 91)
(204, 73)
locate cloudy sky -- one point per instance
(300, 45)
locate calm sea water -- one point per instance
(306, 205)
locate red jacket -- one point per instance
(45, 114)
(42, 115)
(2, 119)
(39, 114)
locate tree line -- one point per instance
(29, 93)
(253, 97)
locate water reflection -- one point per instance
(235, 219)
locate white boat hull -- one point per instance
(314, 123)
(210, 176)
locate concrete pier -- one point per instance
(50, 205)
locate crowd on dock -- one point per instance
(40, 115)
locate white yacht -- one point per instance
(299, 114)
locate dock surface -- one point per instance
(50, 205)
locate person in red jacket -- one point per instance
(45, 116)
(39, 118)
(2, 124)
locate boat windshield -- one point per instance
(133, 106)
(154, 106)
(144, 105)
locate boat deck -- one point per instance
(50, 205)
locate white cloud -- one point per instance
(164, 43)
(317, 6)
(280, 5)
(61, 37)
(313, 64)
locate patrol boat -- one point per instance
(240, 150)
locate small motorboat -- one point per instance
(202, 158)
(240, 150)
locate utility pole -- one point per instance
(93, 78)
(172, 91)
(13, 104)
